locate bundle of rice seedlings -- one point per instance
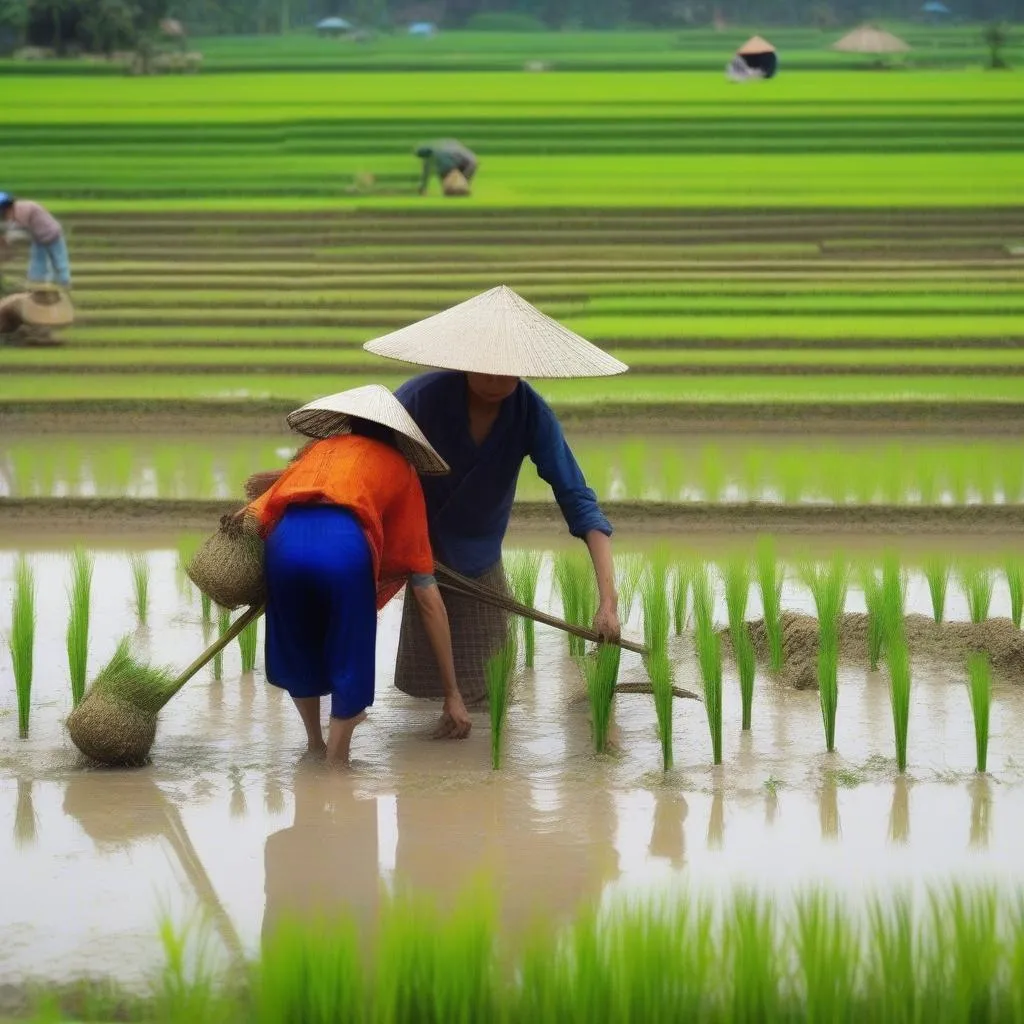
(736, 578)
(22, 639)
(654, 598)
(577, 588)
(659, 671)
(828, 586)
(709, 656)
(680, 589)
(140, 582)
(979, 685)
(872, 588)
(523, 574)
(248, 641)
(79, 597)
(936, 571)
(223, 622)
(746, 664)
(770, 578)
(894, 597)
(1015, 583)
(898, 658)
(977, 583)
(629, 571)
(828, 950)
(500, 671)
(602, 672)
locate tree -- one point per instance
(997, 37)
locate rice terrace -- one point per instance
(791, 789)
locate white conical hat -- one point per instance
(868, 39)
(497, 332)
(47, 306)
(755, 45)
(332, 415)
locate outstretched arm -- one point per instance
(606, 622)
(455, 721)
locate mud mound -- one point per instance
(937, 641)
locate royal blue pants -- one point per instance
(321, 608)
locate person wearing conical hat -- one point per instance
(444, 156)
(346, 528)
(48, 259)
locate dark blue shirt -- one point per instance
(469, 508)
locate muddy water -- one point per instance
(228, 819)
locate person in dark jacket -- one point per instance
(443, 157)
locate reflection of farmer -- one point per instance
(48, 256)
(443, 157)
(346, 527)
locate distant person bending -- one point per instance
(443, 157)
(48, 256)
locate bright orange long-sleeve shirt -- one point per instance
(378, 485)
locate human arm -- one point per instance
(606, 621)
(455, 721)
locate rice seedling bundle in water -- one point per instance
(979, 683)
(1015, 584)
(629, 571)
(977, 583)
(577, 588)
(936, 571)
(709, 657)
(248, 641)
(524, 572)
(140, 582)
(736, 578)
(680, 590)
(872, 588)
(828, 586)
(654, 597)
(223, 623)
(500, 671)
(770, 578)
(22, 639)
(79, 598)
(898, 658)
(602, 673)
(659, 670)
(746, 664)
(894, 599)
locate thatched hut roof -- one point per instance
(756, 44)
(868, 39)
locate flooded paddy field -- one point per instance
(228, 818)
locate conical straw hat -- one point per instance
(47, 307)
(332, 415)
(497, 332)
(868, 39)
(755, 44)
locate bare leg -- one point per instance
(339, 739)
(309, 711)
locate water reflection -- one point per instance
(981, 812)
(828, 810)
(668, 834)
(25, 818)
(899, 812)
(716, 821)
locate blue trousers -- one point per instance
(49, 263)
(321, 608)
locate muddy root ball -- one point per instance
(112, 732)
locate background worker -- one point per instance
(443, 157)
(48, 259)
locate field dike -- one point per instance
(949, 642)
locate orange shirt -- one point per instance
(378, 485)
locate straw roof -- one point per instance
(333, 414)
(497, 332)
(755, 45)
(868, 39)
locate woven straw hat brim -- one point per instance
(47, 314)
(870, 40)
(497, 332)
(332, 415)
(755, 45)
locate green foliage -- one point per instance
(602, 672)
(736, 580)
(828, 587)
(659, 671)
(828, 949)
(574, 579)
(893, 599)
(22, 638)
(709, 656)
(79, 599)
(523, 574)
(629, 572)
(770, 578)
(500, 671)
(140, 582)
(206, 604)
(746, 664)
(979, 684)
(978, 583)
(937, 572)
(1015, 583)
(248, 641)
(681, 576)
(223, 625)
(654, 597)
(898, 657)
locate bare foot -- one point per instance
(339, 740)
(314, 753)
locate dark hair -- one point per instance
(374, 431)
(7, 202)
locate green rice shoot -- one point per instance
(746, 663)
(654, 598)
(736, 581)
(937, 572)
(79, 599)
(248, 641)
(223, 625)
(629, 572)
(770, 577)
(602, 673)
(709, 657)
(1015, 583)
(681, 575)
(977, 583)
(500, 671)
(206, 604)
(22, 639)
(140, 583)
(828, 586)
(898, 658)
(577, 588)
(659, 671)
(894, 599)
(979, 685)
(523, 574)
(872, 588)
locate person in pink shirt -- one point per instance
(48, 257)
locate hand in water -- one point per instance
(455, 722)
(607, 625)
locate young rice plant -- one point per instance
(828, 587)
(936, 571)
(654, 598)
(1015, 583)
(578, 591)
(500, 671)
(248, 641)
(524, 572)
(898, 657)
(680, 587)
(79, 598)
(977, 583)
(770, 578)
(223, 624)
(602, 672)
(140, 582)
(22, 639)
(979, 683)
(659, 670)
(709, 656)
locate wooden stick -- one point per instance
(677, 691)
(451, 580)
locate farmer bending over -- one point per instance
(48, 257)
(445, 156)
